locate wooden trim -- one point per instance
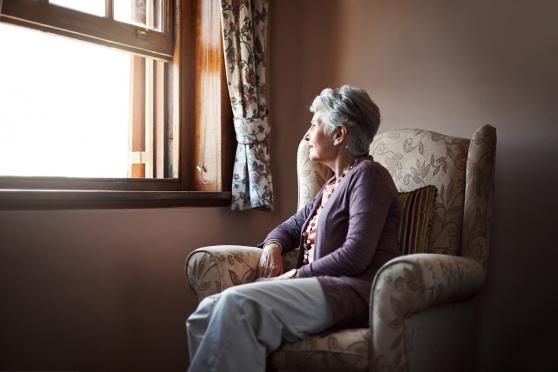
(149, 135)
(136, 127)
(101, 30)
(72, 199)
(159, 117)
(213, 114)
(172, 108)
(186, 93)
(59, 183)
(172, 103)
(138, 170)
(228, 137)
(109, 9)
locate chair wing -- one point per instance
(479, 195)
(416, 158)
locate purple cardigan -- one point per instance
(357, 234)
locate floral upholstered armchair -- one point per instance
(423, 306)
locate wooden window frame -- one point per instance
(41, 15)
(204, 167)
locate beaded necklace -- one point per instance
(306, 245)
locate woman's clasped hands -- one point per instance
(270, 266)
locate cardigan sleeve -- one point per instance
(288, 233)
(371, 195)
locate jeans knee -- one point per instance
(230, 295)
(234, 299)
(204, 309)
(209, 301)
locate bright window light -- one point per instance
(95, 7)
(64, 106)
(129, 12)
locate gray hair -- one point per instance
(352, 107)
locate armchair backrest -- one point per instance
(462, 170)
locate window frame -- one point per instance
(41, 15)
(208, 187)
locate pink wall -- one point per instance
(451, 66)
(104, 290)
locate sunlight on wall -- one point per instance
(63, 106)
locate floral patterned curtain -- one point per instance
(244, 26)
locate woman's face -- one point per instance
(319, 141)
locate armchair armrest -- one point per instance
(408, 285)
(210, 270)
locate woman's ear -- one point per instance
(340, 134)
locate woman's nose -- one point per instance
(306, 137)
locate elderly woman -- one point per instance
(345, 234)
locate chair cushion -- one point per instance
(345, 350)
(416, 219)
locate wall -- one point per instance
(104, 290)
(451, 66)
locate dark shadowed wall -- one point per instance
(104, 290)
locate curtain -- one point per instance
(244, 27)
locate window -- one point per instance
(150, 113)
(140, 26)
(80, 99)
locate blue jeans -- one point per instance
(236, 329)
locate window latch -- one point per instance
(201, 169)
(141, 33)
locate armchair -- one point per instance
(422, 312)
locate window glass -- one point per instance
(145, 13)
(95, 7)
(64, 106)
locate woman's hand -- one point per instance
(291, 274)
(271, 262)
